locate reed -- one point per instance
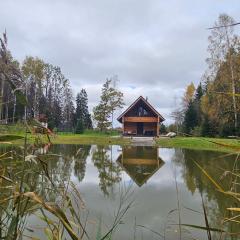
(28, 189)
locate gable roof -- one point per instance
(147, 103)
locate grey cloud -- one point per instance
(155, 47)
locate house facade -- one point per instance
(140, 119)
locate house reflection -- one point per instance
(140, 162)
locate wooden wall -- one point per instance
(150, 127)
(130, 127)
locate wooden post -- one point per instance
(158, 127)
(123, 125)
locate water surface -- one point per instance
(160, 179)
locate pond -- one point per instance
(164, 185)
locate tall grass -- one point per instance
(231, 192)
(27, 188)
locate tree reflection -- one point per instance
(109, 171)
(218, 166)
(80, 161)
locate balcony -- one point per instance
(141, 119)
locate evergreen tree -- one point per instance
(88, 121)
(163, 129)
(82, 109)
(197, 103)
(190, 119)
(80, 126)
(199, 92)
(206, 127)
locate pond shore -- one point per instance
(200, 143)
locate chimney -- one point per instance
(146, 98)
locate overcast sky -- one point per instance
(155, 47)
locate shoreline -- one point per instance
(197, 143)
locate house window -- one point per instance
(142, 112)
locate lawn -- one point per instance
(100, 139)
(216, 144)
(15, 135)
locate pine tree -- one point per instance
(82, 109)
(190, 119)
(80, 126)
(197, 103)
(199, 92)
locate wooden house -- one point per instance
(141, 119)
(140, 162)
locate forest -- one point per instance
(35, 89)
(213, 107)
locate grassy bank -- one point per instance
(112, 138)
(100, 139)
(201, 143)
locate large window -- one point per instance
(142, 112)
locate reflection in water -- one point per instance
(140, 162)
(99, 169)
(108, 171)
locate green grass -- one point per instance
(15, 134)
(201, 143)
(100, 139)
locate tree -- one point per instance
(115, 99)
(197, 103)
(80, 126)
(111, 99)
(223, 45)
(163, 129)
(188, 96)
(10, 82)
(178, 116)
(207, 129)
(190, 119)
(82, 109)
(33, 72)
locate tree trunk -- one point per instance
(14, 109)
(1, 97)
(233, 83)
(6, 113)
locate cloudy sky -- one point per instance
(155, 47)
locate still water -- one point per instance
(160, 180)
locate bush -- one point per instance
(163, 129)
(197, 131)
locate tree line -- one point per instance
(213, 107)
(34, 88)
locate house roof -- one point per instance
(147, 103)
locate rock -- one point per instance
(171, 134)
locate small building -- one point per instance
(140, 119)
